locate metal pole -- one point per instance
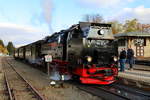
(48, 68)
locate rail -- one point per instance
(8, 87)
(36, 93)
(115, 92)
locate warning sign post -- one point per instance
(48, 59)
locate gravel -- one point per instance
(41, 82)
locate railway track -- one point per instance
(111, 92)
(10, 96)
(115, 92)
(4, 95)
(17, 87)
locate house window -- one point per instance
(140, 42)
(121, 42)
(144, 41)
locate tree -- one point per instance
(144, 27)
(131, 25)
(96, 18)
(116, 27)
(3, 50)
(10, 48)
(1, 43)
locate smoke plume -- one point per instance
(47, 12)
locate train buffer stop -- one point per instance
(139, 75)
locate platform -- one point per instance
(140, 73)
(141, 67)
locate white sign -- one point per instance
(48, 58)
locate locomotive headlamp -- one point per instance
(89, 58)
(115, 58)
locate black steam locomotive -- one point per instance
(85, 50)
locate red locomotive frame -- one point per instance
(88, 75)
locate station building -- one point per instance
(138, 41)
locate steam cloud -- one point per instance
(47, 12)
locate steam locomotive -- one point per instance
(86, 51)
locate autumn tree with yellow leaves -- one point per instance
(3, 49)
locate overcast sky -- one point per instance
(25, 21)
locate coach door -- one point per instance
(139, 51)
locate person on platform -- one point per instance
(122, 60)
(130, 57)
